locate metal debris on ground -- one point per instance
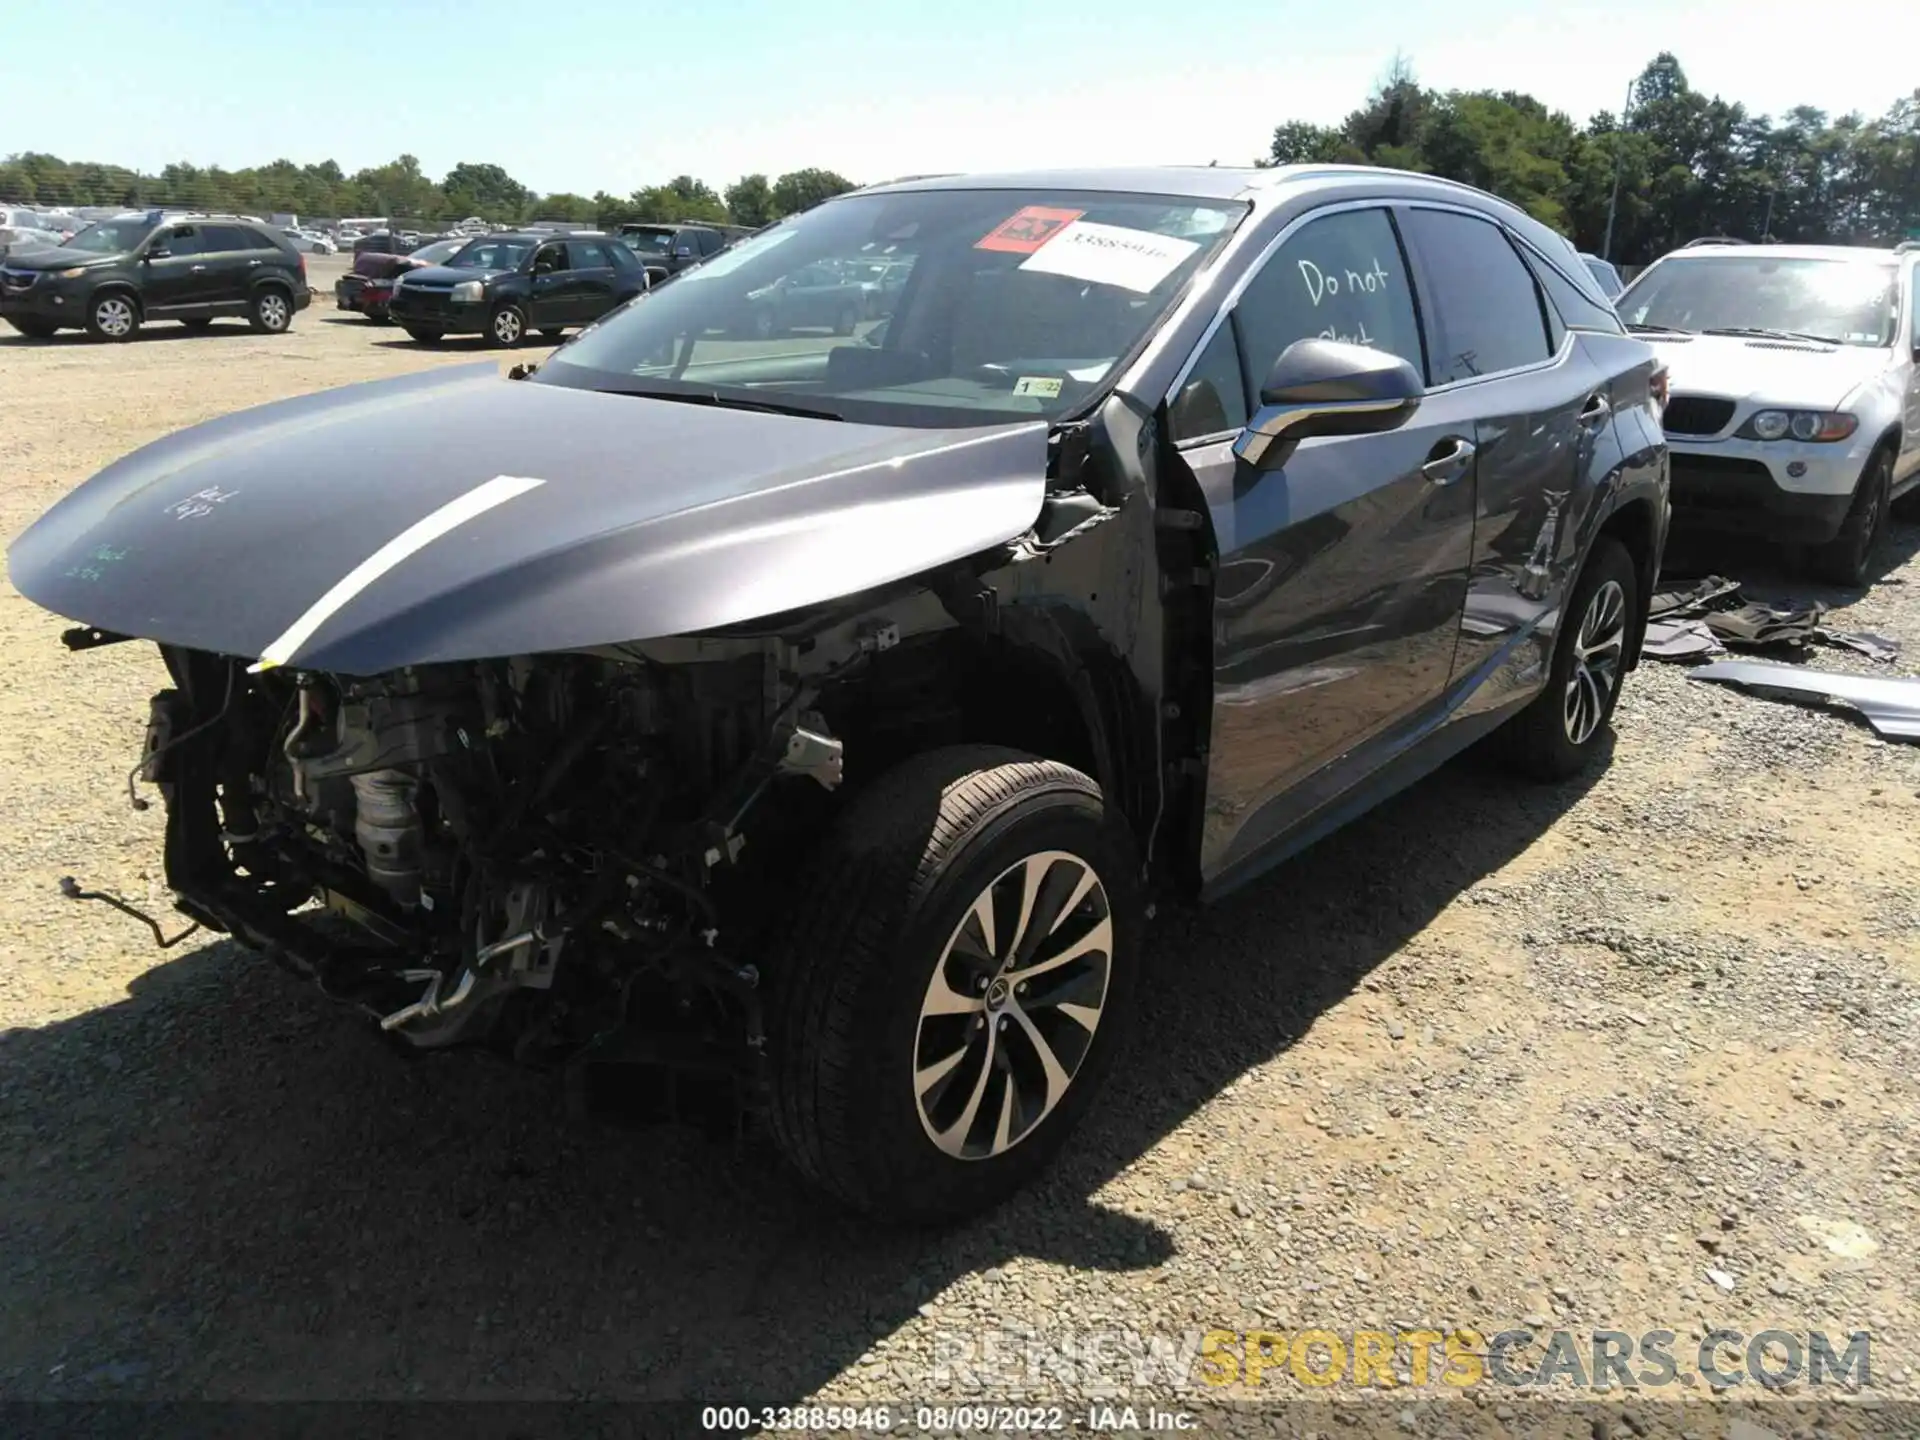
(1700, 618)
(1890, 704)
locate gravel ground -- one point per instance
(1632, 1054)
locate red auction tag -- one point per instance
(1029, 229)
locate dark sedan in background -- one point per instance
(368, 287)
(502, 286)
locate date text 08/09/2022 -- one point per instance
(945, 1419)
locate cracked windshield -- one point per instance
(953, 307)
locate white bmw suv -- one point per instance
(1794, 374)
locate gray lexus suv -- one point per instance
(816, 716)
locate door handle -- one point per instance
(1446, 468)
(253, 262)
(196, 269)
(1597, 408)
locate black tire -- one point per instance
(271, 310)
(199, 322)
(1545, 741)
(1847, 559)
(888, 895)
(844, 322)
(32, 327)
(424, 335)
(506, 326)
(113, 316)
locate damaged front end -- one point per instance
(544, 854)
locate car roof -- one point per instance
(1198, 182)
(1785, 252)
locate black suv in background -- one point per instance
(502, 286)
(673, 248)
(114, 276)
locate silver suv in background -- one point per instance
(1795, 394)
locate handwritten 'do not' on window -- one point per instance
(1338, 278)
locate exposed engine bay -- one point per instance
(548, 855)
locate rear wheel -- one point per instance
(32, 328)
(272, 310)
(424, 335)
(1848, 558)
(113, 316)
(955, 986)
(1565, 727)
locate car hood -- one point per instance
(457, 515)
(1774, 372)
(454, 274)
(43, 256)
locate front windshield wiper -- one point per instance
(729, 402)
(1657, 330)
(1761, 332)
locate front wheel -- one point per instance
(113, 316)
(1847, 559)
(1564, 729)
(955, 985)
(507, 327)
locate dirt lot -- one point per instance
(1637, 1054)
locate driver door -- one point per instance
(180, 280)
(553, 297)
(1343, 573)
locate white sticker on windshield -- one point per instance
(1041, 387)
(1110, 255)
(727, 261)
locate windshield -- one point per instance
(492, 255)
(440, 252)
(1847, 302)
(1011, 305)
(110, 237)
(648, 242)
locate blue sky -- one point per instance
(589, 94)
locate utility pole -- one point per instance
(1664, 67)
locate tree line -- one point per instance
(1685, 164)
(1689, 164)
(400, 189)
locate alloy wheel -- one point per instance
(273, 311)
(506, 327)
(1597, 652)
(1010, 1012)
(114, 316)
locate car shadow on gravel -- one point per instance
(226, 1186)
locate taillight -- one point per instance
(1658, 385)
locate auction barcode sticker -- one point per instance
(1110, 255)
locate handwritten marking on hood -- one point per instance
(201, 502)
(417, 536)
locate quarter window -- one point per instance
(1573, 305)
(1213, 397)
(1490, 317)
(1340, 277)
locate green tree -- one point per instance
(487, 191)
(750, 201)
(800, 190)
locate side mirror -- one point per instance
(157, 252)
(1327, 387)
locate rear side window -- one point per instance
(1340, 277)
(222, 238)
(706, 242)
(588, 255)
(1489, 311)
(1571, 303)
